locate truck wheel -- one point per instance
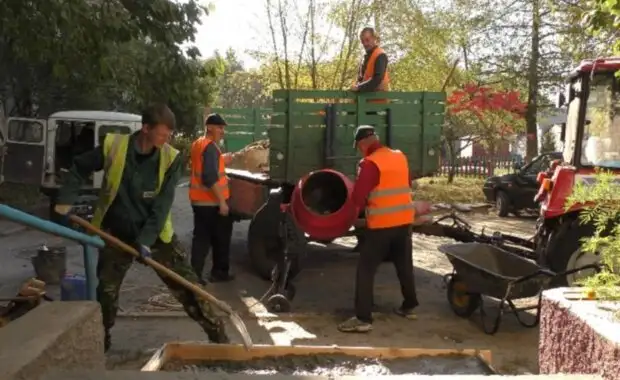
(502, 203)
(565, 253)
(264, 244)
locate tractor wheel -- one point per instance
(502, 204)
(463, 303)
(565, 253)
(264, 244)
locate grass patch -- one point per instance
(20, 196)
(438, 190)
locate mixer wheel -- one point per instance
(265, 247)
(278, 303)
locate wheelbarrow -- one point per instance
(486, 270)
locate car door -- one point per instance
(23, 159)
(526, 180)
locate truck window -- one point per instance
(601, 137)
(119, 129)
(25, 131)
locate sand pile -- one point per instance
(253, 158)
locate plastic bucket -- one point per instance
(73, 288)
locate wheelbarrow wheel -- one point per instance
(463, 303)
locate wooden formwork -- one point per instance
(194, 352)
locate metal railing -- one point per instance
(89, 243)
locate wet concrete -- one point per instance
(132, 375)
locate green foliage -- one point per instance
(111, 55)
(604, 20)
(602, 200)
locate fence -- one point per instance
(480, 166)
(245, 125)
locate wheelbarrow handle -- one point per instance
(596, 267)
(538, 273)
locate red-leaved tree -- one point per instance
(481, 114)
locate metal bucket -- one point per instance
(50, 264)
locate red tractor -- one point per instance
(591, 139)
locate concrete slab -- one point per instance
(64, 335)
(133, 375)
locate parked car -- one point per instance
(514, 192)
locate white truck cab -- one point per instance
(37, 152)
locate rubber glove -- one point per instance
(145, 252)
(63, 210)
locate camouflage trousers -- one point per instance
(113, 266)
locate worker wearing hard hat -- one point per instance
(382, 189)
(373, 70)
(141, 172)
(209, 194)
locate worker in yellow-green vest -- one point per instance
(141, 172)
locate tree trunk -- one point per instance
(452, 161)
(533, 82)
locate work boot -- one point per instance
(408, 313)
(354, 325)
(107, 342)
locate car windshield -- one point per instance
(601, 137)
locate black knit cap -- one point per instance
(362, 132)
(215, 119)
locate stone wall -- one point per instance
(64, 335)
(577, 337)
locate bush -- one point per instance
(183, 144)
(603, 212)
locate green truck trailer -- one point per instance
(311, 145)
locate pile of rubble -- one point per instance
(253, 158)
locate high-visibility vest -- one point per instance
(115, 153)
(199, 194)
(370, 71)
(390, 204)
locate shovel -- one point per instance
(198, 291)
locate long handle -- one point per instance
(153, 264)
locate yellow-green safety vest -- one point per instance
(115, 153)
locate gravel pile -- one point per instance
(339, 365)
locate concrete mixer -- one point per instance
(306, 195)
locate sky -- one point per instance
(236, 24)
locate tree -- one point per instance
(93, 54)
(238, 88)
(484, 115)
(604, 21)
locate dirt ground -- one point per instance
(324, 298)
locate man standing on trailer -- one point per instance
(373, 70)
(372, 76)
(208, 194)
(141, 172)
(382, 189)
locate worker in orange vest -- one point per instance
(208, 194)
(382, 189)
(373, 70)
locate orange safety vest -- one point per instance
(370, 71)
(390, 203)
(199, 194)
